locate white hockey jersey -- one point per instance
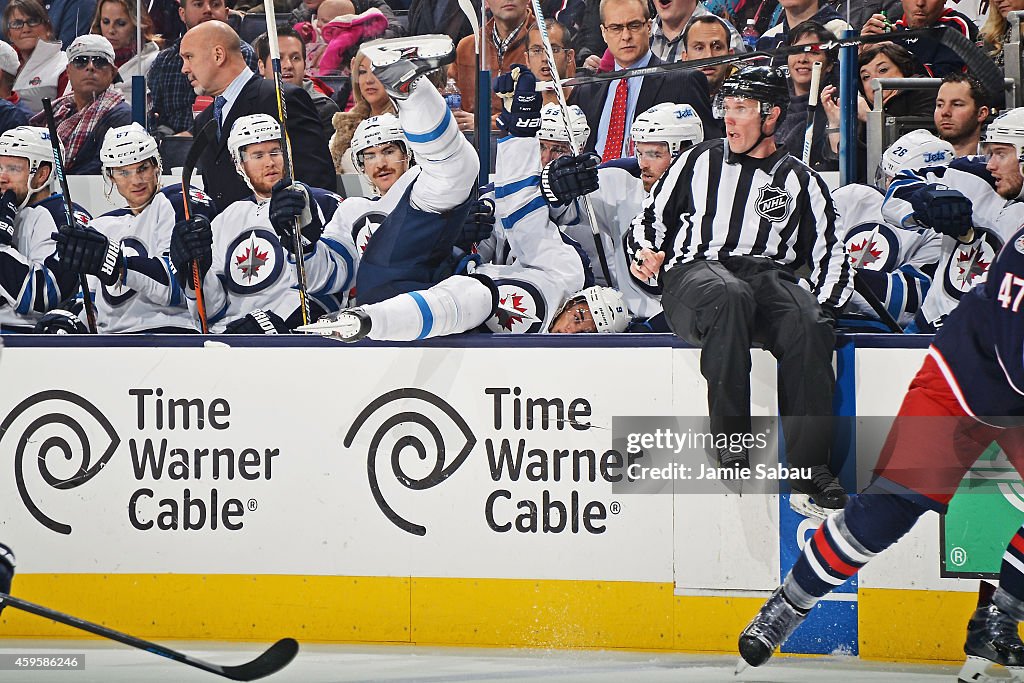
(251, 269)
(31, 279)
(909, 258)
(961, 265)
(147, 297)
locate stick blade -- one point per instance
(278, 656)
(978, 63)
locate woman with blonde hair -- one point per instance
(370, 100)
(28, 28)
(116, 21)
(996, 29)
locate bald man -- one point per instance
(213, 63)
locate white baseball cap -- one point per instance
(8, 59)
(91, 45)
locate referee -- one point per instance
(727, 228)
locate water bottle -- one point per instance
(452, 95)
(750, 35)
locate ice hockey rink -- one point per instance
(316, 663)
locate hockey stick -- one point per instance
(978, 63)
(573, 144)
(199, 143)
(271, 661)
(282, 115)
(69, 208)
(876, 305)
(812, 107)
(483, 85)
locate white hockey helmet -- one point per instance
(607, 307)
(673, 124)
(916, 149)
(552, 124)
(1007, 129)
(32, 143)
(126, 145)
(374, 132)
(250, 130)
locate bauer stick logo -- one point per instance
(62, 441)
(411, 438)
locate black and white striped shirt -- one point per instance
(777, 208)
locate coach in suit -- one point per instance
(611, 107)
(213, 62)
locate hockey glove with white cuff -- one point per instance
(258, 322)
(521, 103)
(8, 212)
(942, 209)
(289, 203)
(83, 249)
(569, 177)
(191, 241)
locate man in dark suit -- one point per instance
(213, 62)
(612, 107)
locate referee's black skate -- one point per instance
(738, 458)
(6, 570)
(768, 630)
(349, 325)
(993, 648)
(819, 496)
(398, 62)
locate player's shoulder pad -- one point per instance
(975, 165)
(54, 205)
(327, 200)
(202, 203)
(628, 164)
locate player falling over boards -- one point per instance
(965, 396)
(402, 294)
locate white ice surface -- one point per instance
(113, 663)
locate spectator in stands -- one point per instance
(310, 30)
(8, 73)
(172, 94)
(708, 36)
(796, 12)
(588, 42)
(70, 18)
(440, 16)
(370, 100)
(507, 33)
(612, 108)
(92, 108)
(937, 59)
(537, 58)
(791, 131)
(166, 17)
(344, 35)
(293, 70)
(996, 30)
(308, 9)
(29, 30)
(214, 65)
(668, 27)
(960, 112)
(116, 21)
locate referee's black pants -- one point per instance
(724, 307)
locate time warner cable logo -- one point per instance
(413, 432)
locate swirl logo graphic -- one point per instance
(416, 431)
(58, 430)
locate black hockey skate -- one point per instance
(6, 570)
(349, 325)
(820, 496)
(398, 62)
(994, 648)
(769, 629)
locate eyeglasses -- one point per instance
(97, 62)
(143, 169)
(260, 156)
(537, 51)
(17, 24)
(617, 29)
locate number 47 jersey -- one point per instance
(980, 348)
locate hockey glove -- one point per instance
(478, 226)
(942, 209)
(83, 249)
(521, 102)
(59, 321)
(289, 203)
(191, 241)
(569, 177)
(8, 212)
(258, 322)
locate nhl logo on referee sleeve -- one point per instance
(773, 204)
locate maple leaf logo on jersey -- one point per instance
(863, 259)
(971, 266)
(506, 318)
(252, 260)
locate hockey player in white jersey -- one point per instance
(246, 253)
(974, 204)
(125, 251)
(539, 290)
(32, 280)
(897, 265)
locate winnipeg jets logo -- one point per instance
(773, 204)
(872, 246)
(968, 264)
(255, 259)
(364, 227)
(520, 308)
